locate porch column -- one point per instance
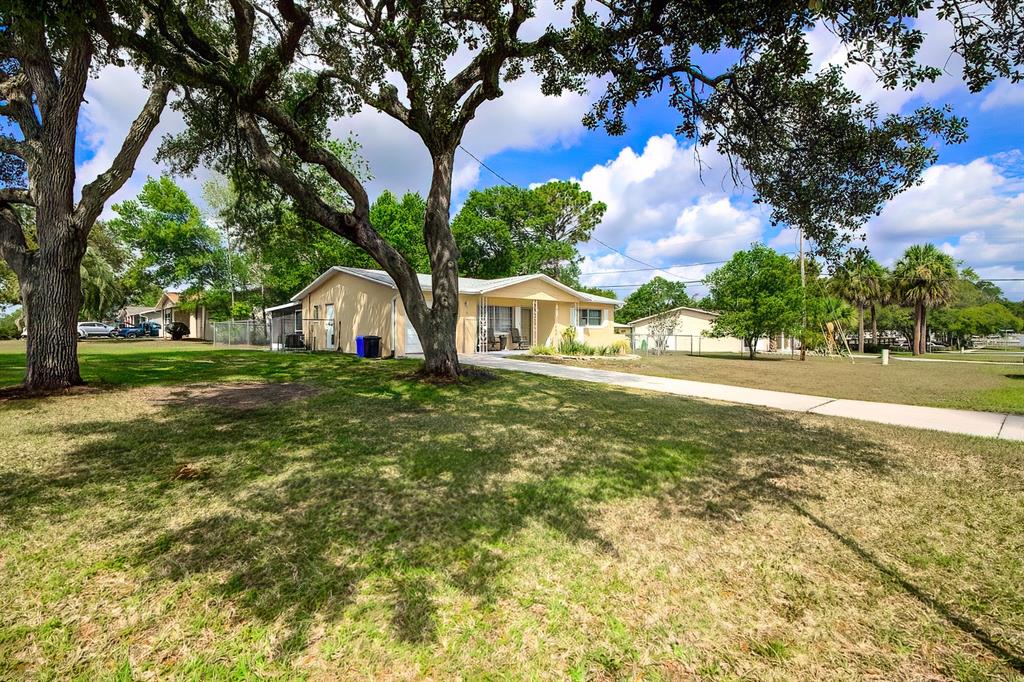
(481, 340)
(534, 333)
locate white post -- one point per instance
(885, 356)
(534, 333)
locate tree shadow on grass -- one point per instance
(408, 486)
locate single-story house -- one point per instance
(690, 333)
(345, 302)
(170, 310)
(136, 314)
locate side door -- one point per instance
(329, 326)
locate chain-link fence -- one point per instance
(240, 333)
(688, 344)
(1007, 341)
(295, 333)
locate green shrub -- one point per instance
(568, 345)
(542, 350)
(8, 327)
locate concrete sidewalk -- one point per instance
(990, 424)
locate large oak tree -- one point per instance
(48, 55)
(262, 80)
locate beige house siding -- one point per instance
(198, 320)
(361, 308)
(695, 324)
(465, 328)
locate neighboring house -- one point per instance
(344, 303)
(136, 314)
(690, 333)
(168, 309)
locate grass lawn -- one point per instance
(338, 519)
(979, 386)
(976, 356)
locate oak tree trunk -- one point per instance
(52, 297)
(437, 330)
(44, 95)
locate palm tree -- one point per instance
(101, 291)
(924, 278)
(860, 280)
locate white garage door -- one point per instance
(412, 339)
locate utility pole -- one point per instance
(803, 288)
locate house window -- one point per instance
(298, 320)
(589, 317)
(316, 312)
(499, 319)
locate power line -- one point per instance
(667, 267)
(648, 266)
(494, 172)
(610, 248)
(636, 260)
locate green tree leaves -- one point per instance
(173, 244)
(503, 231)
(757, 293)
(656, 296)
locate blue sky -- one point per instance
(661, 210)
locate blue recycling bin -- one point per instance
(361, 346)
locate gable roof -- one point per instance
(681, 308)
(137, 309)
(467, 285)
(171, 297)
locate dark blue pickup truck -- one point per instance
(144, 329)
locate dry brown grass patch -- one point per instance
(236, 396)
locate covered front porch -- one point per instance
(510, 324)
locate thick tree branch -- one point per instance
(19, 148)
(33, 55)
(298, 21)
(386, 102)
(96, 193)
(16, 195)
(17, 93)
(74, 75)
(352, 226)
(315, 154)
(13, 246)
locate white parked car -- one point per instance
(88, 329)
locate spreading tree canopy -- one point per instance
(656, 296)
(757, 293)
(503, 231)
(262, 81)
(172, 242)
(741, 77)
